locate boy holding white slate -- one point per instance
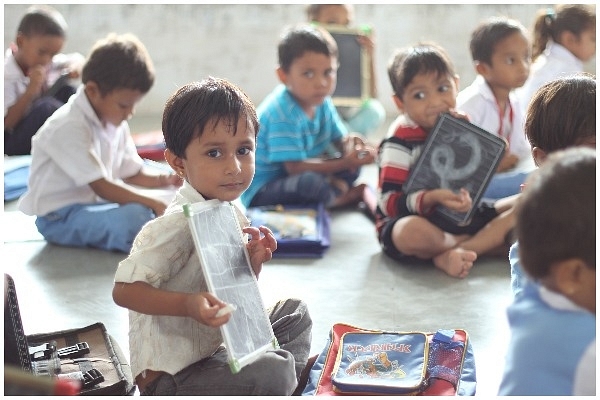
(176, 346)
(425, 86)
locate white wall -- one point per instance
(239, 41)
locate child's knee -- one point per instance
(277, 372)
(45, 107)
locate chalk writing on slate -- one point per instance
(456, 154)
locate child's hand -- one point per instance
(459, 114)
(260, 249)
(203, 307)
(362, 155)
(508, 162)
(169, 180)
(37, 78)
(367, 43)
(158, 207)
(358, 151)
(460, 201)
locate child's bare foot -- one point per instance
(456, 262)
(351, 197)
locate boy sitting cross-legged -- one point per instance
(425, 85)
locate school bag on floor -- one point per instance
(358, 361)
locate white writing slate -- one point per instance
(221, 247)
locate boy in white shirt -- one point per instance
(32, 67)
(500, 51)
(84, 161)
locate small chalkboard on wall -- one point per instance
(456, 154)
(353, 75)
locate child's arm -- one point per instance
(260, 249)
(16, 112)
(122, 194)
(145, 179)
(508, 162)
(367, 42)
(356, 153)
(146, 299)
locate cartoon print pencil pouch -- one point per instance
(392, 363)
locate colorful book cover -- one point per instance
(381, 363)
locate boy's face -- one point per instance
(338, 14)
(114, 107)
(311, 79)
(427, 96)
(37, 50)
(219, 164)
(510, 63)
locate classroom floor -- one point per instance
(60, 288)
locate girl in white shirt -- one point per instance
(564, 38)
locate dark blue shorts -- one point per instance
(482, 216)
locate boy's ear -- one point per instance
(92, 91)
(282, 75)
(398, 102)
(175, 162)
(539, 155)
(482, 68)
(19, 40)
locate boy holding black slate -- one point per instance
(425, 86)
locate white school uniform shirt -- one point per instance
(71, 150)
(479, 103)
(164, 256)
(555, 62)
(15, 81)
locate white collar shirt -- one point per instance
(15, 81)
(71, 150)
(164, 256)
(555, 62)
(479, 103)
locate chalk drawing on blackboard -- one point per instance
(219, 241)
(456, 154)
(353, 75)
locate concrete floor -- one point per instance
(60, 288)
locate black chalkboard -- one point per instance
(353, 75)
(456, 154)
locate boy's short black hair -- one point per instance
(43, 21)
(556, 214)
(193, 106)
(119, 62)
(408, 62)
(489, 33)
(562, 113)
(299, 39)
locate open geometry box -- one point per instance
(354, 74)
(219, 240)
